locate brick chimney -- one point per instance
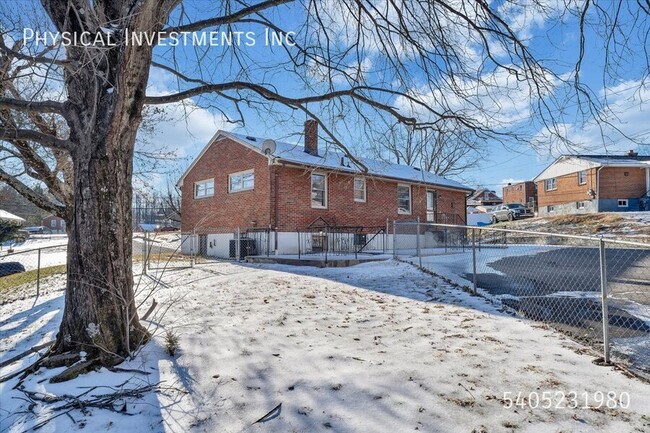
(632, 153)
(311, 137)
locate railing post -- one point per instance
(417, 241)
(327, 245)
(298, 231)
(603, 289)
(474, 261)
(394, 241)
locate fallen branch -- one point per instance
(150, 310)
(25, 353)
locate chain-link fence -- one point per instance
(595, 289)
(23, 269)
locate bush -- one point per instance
(171, 342)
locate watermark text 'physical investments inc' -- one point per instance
(110, 37)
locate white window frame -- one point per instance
(203, 182)
(53, 223)
(240, 174)
(553, 180)
(311, 190)
(365, 193)
(623, 200)
(584, 181)
(401, 212)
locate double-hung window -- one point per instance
(582, 177)
(359, 189)
(204, 188)
(550, 184)
(319, 190)
(403, 199)
(241, 181)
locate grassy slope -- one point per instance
(603, 224)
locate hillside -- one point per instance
(630, 225)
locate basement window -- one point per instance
(580, 205)
(622, 202)
(550, 209)
(204, 188)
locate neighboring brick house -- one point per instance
(521, 192)
(234, 183)
(594, 183)
(484, 197)
(54, 223)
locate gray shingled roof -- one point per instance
(335, 160)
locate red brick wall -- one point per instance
(567, 190)
(519, 193)
(295, 211)
(224, 209)
(241, 209)
(47, 222)
(615, 184)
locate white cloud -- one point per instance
(627, 112)
(526, 16)
(498, 100)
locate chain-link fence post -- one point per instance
(38, 275)
(237, 245)
(192, 239)
(446, 234)
(394, 240)
(385, 243)
(144, 253)
(417, 240)
(603, 289)
(474, 260)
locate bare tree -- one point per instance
(445, 151)
(350, 65)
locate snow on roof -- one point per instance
(336, 160)
(6, 216)
(567, 164)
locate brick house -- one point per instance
(521, 192)
(246, 182)
(54, 223)
(484, 197)
(594, 183)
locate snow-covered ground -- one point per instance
(52, 250)
(379, 347)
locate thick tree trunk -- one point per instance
(106, 92)
(100, 315)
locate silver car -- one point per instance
(510, 212)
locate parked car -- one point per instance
(38, 230)
(510, 212)
(8, 268)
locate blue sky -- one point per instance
(552, 36)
